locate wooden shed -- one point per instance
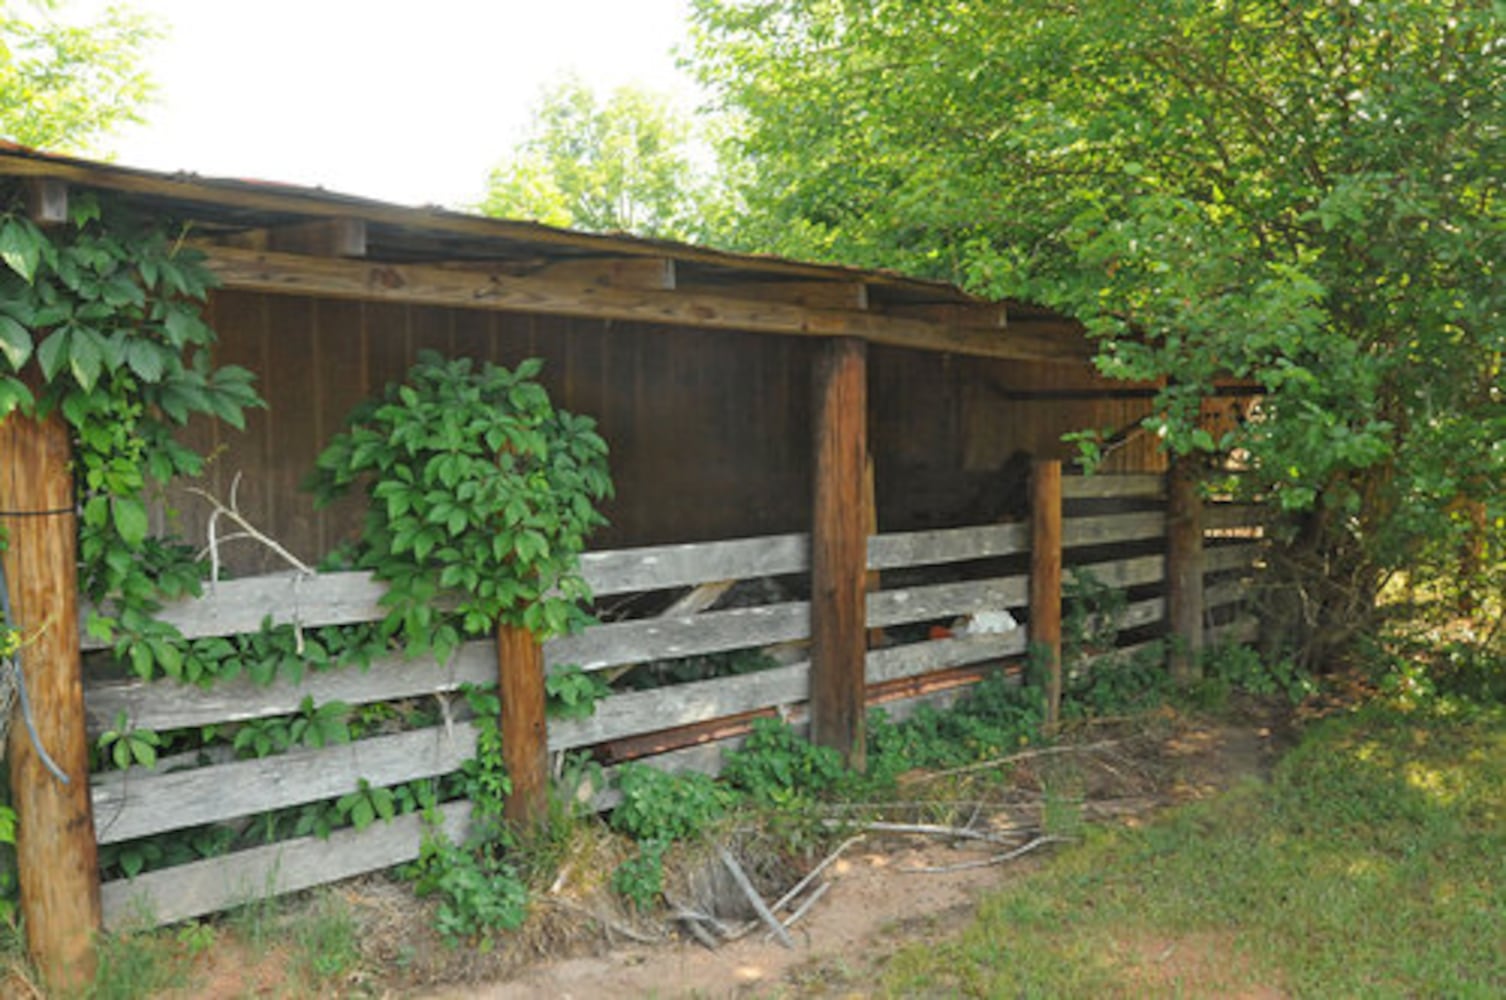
(696, 363)
(766, 417)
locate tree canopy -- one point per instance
(1307, 196)
(623, 164)
(64, 86)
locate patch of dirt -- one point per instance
(581, 942)
(878, 902)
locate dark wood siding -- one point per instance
(709, 430)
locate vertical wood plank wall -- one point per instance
(709, 438)
(710, 430)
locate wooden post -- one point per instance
(55, 847)
(839, 549)
(525, 734)
(1184, 569)
(1046, 577)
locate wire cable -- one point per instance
(13, 664)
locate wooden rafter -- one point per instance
(811, 294)
(469, 288)
(652, 274)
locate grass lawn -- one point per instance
(1373, 864)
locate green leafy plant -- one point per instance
(480, 495)
(124, 744)
(777, 767)
(573, 693)
(640, 878)
(659, 806)
(479, 890)
(105, 315)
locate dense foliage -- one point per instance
(1305, 196)
(479, 492)
(101, 320)
(619, 165)
(65, 84)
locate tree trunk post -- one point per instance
(525, 733)
(839, 550)
(1046, 577)
(1184, 569)
(55, 846)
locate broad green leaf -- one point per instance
(130, 519)
(21, 247)
(15, 342)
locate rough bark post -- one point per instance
(525, 734)
(1046, 577)
(839, 549)
(1184, 569)
(55, 847)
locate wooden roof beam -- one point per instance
(811, 294)
(650, 274)
(496, 290)
(983, 315)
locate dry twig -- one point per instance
(997, 859)
(759, 906)
(814, 873)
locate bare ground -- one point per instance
(580, 942)
(880, 901)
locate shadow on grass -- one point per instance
(1370, 864)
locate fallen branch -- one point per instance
(814, 873)
(929, 830)
(997, 859)
(759, 906)
(804, 907)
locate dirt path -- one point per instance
(876, 902)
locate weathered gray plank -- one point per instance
(139, 802)
(1101, 487)
(1220, 558)
(918, 658)
(1126, 572)
(639, 712)
(944, 600)
(233, 606)
(1107, 529)
(922, 548)
(1228, 592)
(200, 887)
(163, 705)
(1245, 628)
(685, 635)
(651, 568)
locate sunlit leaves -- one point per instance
(1307, 197)
(481, 495)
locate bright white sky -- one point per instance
(411, 102)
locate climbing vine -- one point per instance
(481, 494)
(102, 319)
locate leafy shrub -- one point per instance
(776, 767)
(478, 491)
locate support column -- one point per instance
(839, 549)
(1046, 577)
(525, 732)
(55, 846)
(1184, 569)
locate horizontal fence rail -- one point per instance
(928, 586)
